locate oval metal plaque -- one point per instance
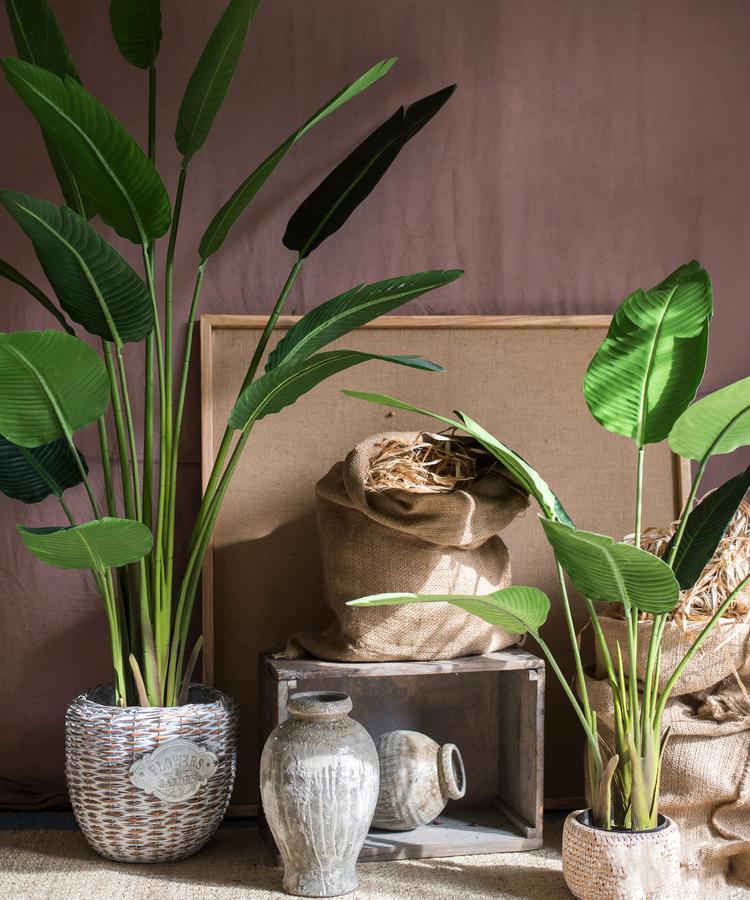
(175, 771)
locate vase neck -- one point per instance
(319, 705)
(452, 773)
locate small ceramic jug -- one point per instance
(417, 778)
(319, 785)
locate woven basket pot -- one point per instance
(620, 865)
(150, 784)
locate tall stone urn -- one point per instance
(319, 784)
(150, 784)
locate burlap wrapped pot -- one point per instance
(724, 652)
(399, 541)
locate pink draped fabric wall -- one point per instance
(592, 146)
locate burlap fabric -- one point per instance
(705, 784)
(398, 541)
(724, 652)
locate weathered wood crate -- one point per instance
(491, 706)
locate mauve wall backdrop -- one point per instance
(592, 146)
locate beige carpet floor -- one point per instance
(58, 865)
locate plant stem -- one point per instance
(122, 447)
(169, 504)
(687, 510)
(148, 434)
(106, 466)
(583, 691)
(592, 737)
(226, 440)
(130, 432)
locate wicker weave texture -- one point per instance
(121, 821)
(617, 865)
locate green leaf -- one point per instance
(516, 609)
(705, 527)
(523, 473)
(38, 40)
(136, 26)
(52, 384)
(652, 360)
(527, 477)
(96, 545)
(286, 383)
(717, 423)
(7, 271)
(30, 474)
(95, 285)
(338, 195)
(604, 570)
(222, 222)
(212, 75)
(110, 167)
(353, 309)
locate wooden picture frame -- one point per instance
(520, 376)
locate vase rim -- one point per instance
(452, 771)
(319, 705)
(663, 822)
(201, 695)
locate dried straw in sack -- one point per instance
(411, 512)
(705, 781)
(727, 649)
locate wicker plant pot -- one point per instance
(150, 784)
(620, 865)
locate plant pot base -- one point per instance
(620, 865)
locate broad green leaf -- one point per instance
(94, 284)
(136, 26)
(7, 271)
(604, 570)
(107, 162)
(353, 309)
(30, 474)
(516, 609)
(523, 473)
(52, 384)
(212, 75)
(285, 384)
(527, 477)
(717, 423)
(652, 360)
(96, 545)
(222, 222)
(704, 529)
(38, 40)
(353, 179)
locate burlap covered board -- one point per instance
(399, 541)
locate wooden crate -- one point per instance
(491, 706)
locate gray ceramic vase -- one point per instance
(417, 778)
(319, 785)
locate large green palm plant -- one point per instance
(54, 383)
(640, 384)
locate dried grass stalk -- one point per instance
(728, 566)
(432, 464)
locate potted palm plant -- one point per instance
(150, 758)
(641, 384)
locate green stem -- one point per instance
(171, 448)
(122, 446)
(591, 736)
(66, 509)
(226, 440)
(106, 467)
(583, 691)
(677, 540)
(130, 432)
(148, 435)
